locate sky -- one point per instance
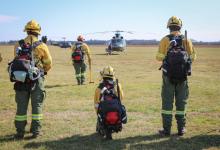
(147, 19)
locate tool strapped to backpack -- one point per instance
(22, 68)
(177, 62)
(78, 54)
(189, 60)
(118, 91)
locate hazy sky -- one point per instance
(146, 18)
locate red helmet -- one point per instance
(80, 38)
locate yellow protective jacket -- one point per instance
(164, 45)
(41, 53)
(85, 49)
(97, 95)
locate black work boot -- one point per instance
(97, 126)
(36, 135)
(83, 81)
(164, 132)
(167, 123)
(78, 82)
(19, 136)
(181, 131)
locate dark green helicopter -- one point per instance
(117, 43)
(61, 44)
(65, 44)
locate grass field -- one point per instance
(69, 116)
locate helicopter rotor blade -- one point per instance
(118, 31)
(130, 32)
(104, 32)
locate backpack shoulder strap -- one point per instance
(37, 43)
(78, 45)
(178, 39)
(170, 37)
(21, 42)
(181, 37)
(101, 85)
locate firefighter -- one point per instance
(107, 74)
(32, 90)
(79, 50)
(171, 90)
(110, 86)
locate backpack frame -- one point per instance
(78, 54)
(177, 62)
(22, 67)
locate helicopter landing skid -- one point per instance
(108, 52)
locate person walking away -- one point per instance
(79, 50)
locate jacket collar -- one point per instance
(175, 33)
(31, 38)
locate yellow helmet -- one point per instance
(80, 38)
(32, 26)
(174, 21)
(108, 72)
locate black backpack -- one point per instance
(78, 54)
(108, 99)
(20, 68)
(110, 102)
(177, 63)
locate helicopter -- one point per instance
(65, 44)
(117, 43)
(61, 44)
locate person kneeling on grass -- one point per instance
(110, 112)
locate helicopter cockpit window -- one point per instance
(117, 40)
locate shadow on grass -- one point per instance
(107, 54)
(94, 141)
(194, 143)
(7, 138)
(56, 85)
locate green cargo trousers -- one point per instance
(22, 96)
(170, 91)
(80, 69)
